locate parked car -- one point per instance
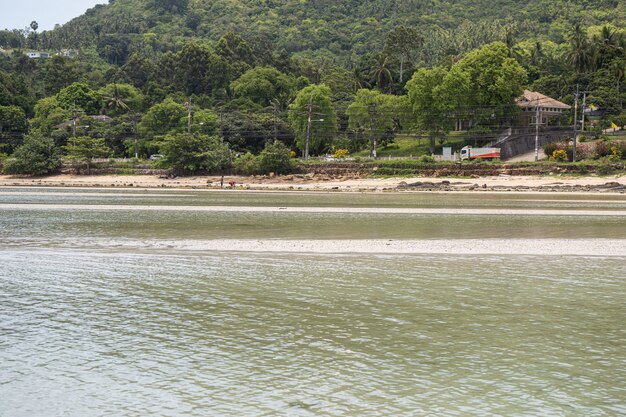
(155, 156)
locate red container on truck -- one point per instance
(468, 153)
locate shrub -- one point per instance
(276, 157)
(341, 154)
(189, 153)
(426, 159)
(616, 154)
(37, 156)
(559, 155)
(84, 148)
(550, 147)
(603, 148)
(585, 151)
(247, 164)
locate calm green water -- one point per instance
(92, 328)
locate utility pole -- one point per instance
(537, 119)
(575, 123)
(308, 128)
(74, 117)
(188, 105)
(222, 122)
(135, 125)
(582, 127)
(275, 124)
(373, 113)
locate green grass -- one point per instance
(410, 146)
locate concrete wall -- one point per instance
(525, 142)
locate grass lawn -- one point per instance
(412, 146)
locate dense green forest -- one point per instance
(250, 72)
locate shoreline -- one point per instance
(597, 247)
(502, 183)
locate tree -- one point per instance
(374, 112)
(199, 70)
(275, 157)
(495, 78)
(12, 126)
(121, 98)
(83, 149)
(171, 6)
(189, 153)
(80, 95)
(234, 50)
(167, 116)
(263, 84)
(205, 121)
(403, 43)
(37, 156)
(114, 48)
(580, 54)
(380, 74)
(48, 113)
(138, 69)
(429, 111)
(34, 26)
(313, 103)
(59, 72)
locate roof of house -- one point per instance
(533, 98)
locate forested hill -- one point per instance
(333, 28)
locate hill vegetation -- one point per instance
(251, 72)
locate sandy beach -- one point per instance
(322, 183)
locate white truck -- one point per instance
(469, 153)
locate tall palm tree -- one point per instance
(115, 101)
(380, 74)
(580, 54)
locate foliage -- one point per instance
(276, 158)
(84, 148)
(550, 147)
(165, 117)
(559, 155)
(200, 70)
(37, 156)
(120, 98)
(189, 153)
(247, 164)
(263, 84)
(246, 59)
(314, 101)
(80, 95)
(379, 114)
(12, 126)
(341, 154)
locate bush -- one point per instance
(426, 159)
(550, 147)
(341, 154)
(616, 154)
(276, 157)
(37, 156)
(585, 151)
(603, 148)
(559, 155)
(247, 164)
(84, 148)
(189, 153)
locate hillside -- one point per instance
(318, 75)
(344, 28)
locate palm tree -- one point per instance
(608, 45)
(115, 101)
(380, 74)
(581, 54)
